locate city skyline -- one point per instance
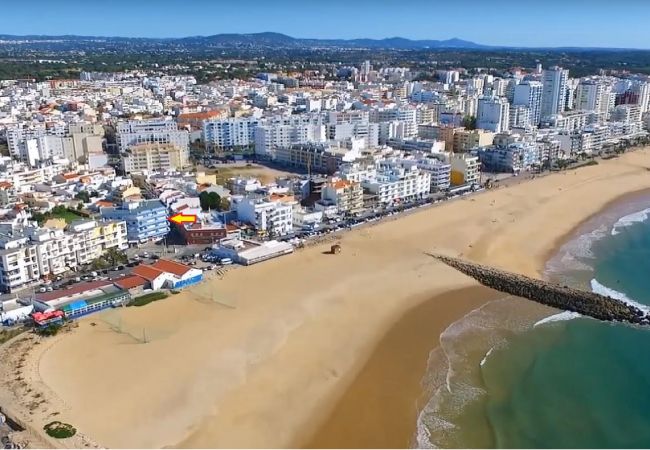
(505, 23)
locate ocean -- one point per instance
(519, 375)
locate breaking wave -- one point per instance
(560, 317)
(601, 289)
(453, 378)
(630, 219)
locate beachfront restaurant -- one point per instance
(82, 298)
(82, 307)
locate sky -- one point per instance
(526, 23)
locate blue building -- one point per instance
(146, 220)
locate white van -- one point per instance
(226, 261)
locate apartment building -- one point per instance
(493, 114)
(465, 168)
(156, 132)
(440, 172)
(152, 157)
(270, 136)
(229, 134)
(314, 157)
(512, 158)
(346, 195)
(394, 183)
(271, 216)
(146, 220)
(466, 140)
(31, 254)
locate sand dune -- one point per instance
(260, 358)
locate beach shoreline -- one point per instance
(272, 369)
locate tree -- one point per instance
(84, 196)
(210, 200)
(469, 122)
(111, 258)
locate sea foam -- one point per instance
(630, 219)
(487, 355)
(601, 289)
(566, 315)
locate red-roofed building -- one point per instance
(198, 233)
(155, 277)
(166, 265)
(181, 275)
(133, 283)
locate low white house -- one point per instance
(247, 252)
(303, 219)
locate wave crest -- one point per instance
(601, 289)
(629, 220)
(560, 317)
(454, 379)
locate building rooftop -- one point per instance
(166, 265)
(131, 282)
(72, 290)
(147, 272)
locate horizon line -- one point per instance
(487, 46)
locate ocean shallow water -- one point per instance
(516, 374)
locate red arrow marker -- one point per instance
(182, 218)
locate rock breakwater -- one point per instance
(550, 294)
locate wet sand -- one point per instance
(380, 408)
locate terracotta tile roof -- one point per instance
(5, 185)
(131, 282)
(147, 272)
(340, 184)
(172, 267)
(281, 197)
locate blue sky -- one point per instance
(597, 23)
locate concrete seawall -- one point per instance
(550, 294)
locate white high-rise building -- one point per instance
(519, 116)
(529, 94)
(594, 95)
(229, 134)
(493, 114)
(272, 135)
(554, 82)
(155, 131)
(643, 89)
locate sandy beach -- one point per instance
(296, 351)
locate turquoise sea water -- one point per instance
(515, 380)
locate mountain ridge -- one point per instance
(266, 39)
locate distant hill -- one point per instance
(268, 39)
